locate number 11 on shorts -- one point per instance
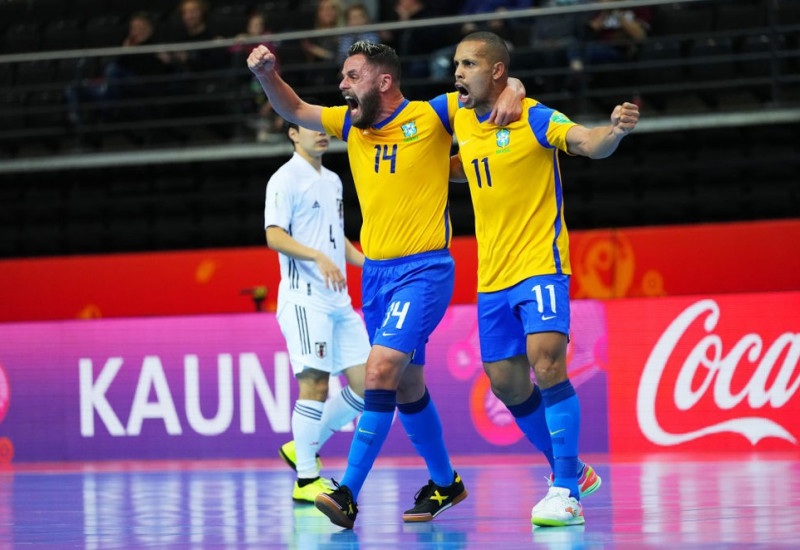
(537, 289)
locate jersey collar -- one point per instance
(391, 117)
(483, 118)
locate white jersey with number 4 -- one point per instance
(308, 205)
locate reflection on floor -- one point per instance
(676, 501)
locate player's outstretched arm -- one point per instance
(282, 97)
(602, 141)
(508, 107)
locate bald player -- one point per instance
(523, 259)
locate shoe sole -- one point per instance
(330, 508)
(414, 518)
(545, 522)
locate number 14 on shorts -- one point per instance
(396, 311)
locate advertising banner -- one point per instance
(606, 263)
(220, 386)
(707, 373)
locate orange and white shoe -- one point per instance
(588, 481)
(557, 509)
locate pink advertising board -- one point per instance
(220, 386)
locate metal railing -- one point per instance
(732, 75)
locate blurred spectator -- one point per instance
(441, 63)
(416, 46)
(268, 126)
(194, 28)
(324, 48)
(256, 26)
(355, 16)
(557, 40)
(122, 76)
(328, 16)
(615, 35)
(501, 27)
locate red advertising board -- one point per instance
(633, 262)
(704, 373)
(685, 259)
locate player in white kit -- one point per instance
(304, 223)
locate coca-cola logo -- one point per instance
(766, 375)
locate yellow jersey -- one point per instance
(401, 171)
(515, 183)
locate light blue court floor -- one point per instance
(674, 501)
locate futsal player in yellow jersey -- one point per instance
(399, 154)
(523, 260)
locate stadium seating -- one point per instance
(710, 57)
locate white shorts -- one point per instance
(327, 341)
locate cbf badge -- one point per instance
(503, 137)
(410, 129)
(321, 349)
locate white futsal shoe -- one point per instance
(557, 509)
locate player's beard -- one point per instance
(368, 106)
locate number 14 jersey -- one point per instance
(401, 171)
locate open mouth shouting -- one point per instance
(463, 93)
(353, 105)
(363, 110)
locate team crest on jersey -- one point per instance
(559, 118)
(409, 129)
(321, 349)
(503, 137)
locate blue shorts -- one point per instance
(506, 317)
(405, 298)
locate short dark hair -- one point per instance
(496, 47)
(379, 55)
(288, 126)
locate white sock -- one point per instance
(306, 428)
(339, 410)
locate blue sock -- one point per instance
(371, 432)
(563, 413)
(424, 428)
(530, 417)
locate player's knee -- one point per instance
(381, 375)
(549, 372)
(508, 390)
